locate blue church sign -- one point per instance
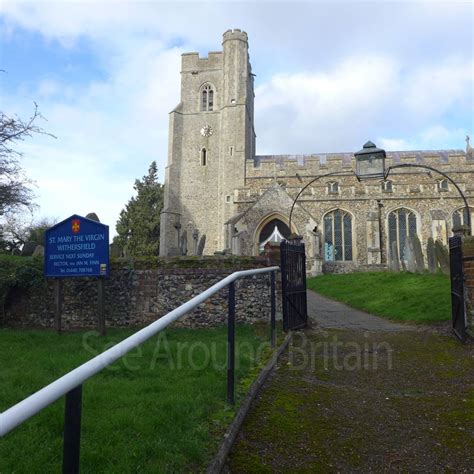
(77, 247)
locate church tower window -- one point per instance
(207, 98)
(387, 186)
(333, 187)
(338, 236)
(203, 157)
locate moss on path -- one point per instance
(345, 401)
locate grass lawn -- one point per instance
(161, 408)
(420, 298)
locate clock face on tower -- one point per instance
(206, 131)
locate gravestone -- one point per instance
(394, 258)
(431, 256)
(174, 252)
(201, 244)
(93, 217)
(115, 250)
(409, 256)
(28, 249)
(195, 235)
(419, 260)
(184, 243)
(39, 251)
(442, 256)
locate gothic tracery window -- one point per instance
(333, 187)
(401, 224)
(338, 236)
(207, 98)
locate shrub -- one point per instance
(19, 272)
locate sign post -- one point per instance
(77, 247)
(58, 303)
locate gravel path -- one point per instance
(330, 314)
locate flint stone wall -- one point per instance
(138, 294)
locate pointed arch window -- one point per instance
(207, 98)
(338, 236)
(401, 224)
(387, 186)
(203, 157)
(443, 185)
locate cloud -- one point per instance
(427, 139)
(327, 80)
(338, 109)
(431, 90)
(108, 132)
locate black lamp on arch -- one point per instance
(370, 162)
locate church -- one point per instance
(222, 197)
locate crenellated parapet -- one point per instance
(193, 63)
(321, 163)
(235, 34)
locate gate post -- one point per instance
(468, 268)
(458, 309)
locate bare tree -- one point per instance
(15, 187)
(17, 229)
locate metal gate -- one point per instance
(293, 284)
(458, 306)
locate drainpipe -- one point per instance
(380, 205)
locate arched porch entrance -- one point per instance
(274, 228)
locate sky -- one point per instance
(329, 76)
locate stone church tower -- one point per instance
(217, 186)
(211, 138)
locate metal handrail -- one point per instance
(22, 411)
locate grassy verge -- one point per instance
(161, 408)
(421, 298)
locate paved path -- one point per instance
(332, 314)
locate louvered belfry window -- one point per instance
(338, 236)
(207, 99)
